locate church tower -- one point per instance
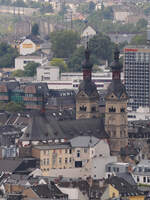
(87, 98)
(116, 123)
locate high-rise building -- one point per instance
(137, 75)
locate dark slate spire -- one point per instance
(116, 86)
(87, 65)
(116, 66)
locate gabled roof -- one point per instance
(88, 31)
(88, 87)
(35, 39)
(9, 165)
(42, 128)
(48, 191)
(84, 141)
(117, 88)
(124, 188)
(10, 84)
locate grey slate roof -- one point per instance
(48, 191)
(41, 128)
(124, 188)
(84, 141)
(88, 87)
(9, 165)
(127, 177)
(117, 88)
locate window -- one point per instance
(66, 151)
(144, 179)
(44, 162)
(82, 108)
(47, 161)
(122, 109)
(112, 109)
(85, 150)
(70, 151)
(138, 179)
(70, 160)
(93, 109)
(78, 153)
(66, 160)
(109, 169)
(60, 160)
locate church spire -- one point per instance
(116, 66)
(87, 65)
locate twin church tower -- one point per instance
(87, 102)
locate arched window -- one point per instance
(112, 109)
(82, 108)
(122, 109)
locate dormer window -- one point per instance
(83, 108)
(112, 109)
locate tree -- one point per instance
(18, 73)
(14, 107)
(75, 61)
(101, 47)
(64, 43)
(141, 24)
(35, 30)
(139, 39)
(7, 55)
(30, 69)
(60, 63)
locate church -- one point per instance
(45, 127)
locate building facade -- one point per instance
(116, 123)
(87, 98)
(137, 75)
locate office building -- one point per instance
(137, 75)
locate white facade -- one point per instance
(94, 156)
(27, 47)
(142, 113)
(47, 73)
(22, 61)
(73, 193)
(88, 32)
(141, 172)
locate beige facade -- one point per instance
(53, 158)
(116, 124)
(87, 107)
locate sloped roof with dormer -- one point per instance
(42, 128)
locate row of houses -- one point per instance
(33, 95)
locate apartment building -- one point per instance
(137, 75)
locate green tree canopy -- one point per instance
(141, 24)
(7, 55)
(12, 106)
(35, 29)
(64, 43)
(18, 73)
(60, 63)
(101, 47)
(30, 69)
(139, 39)
(75, 61)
